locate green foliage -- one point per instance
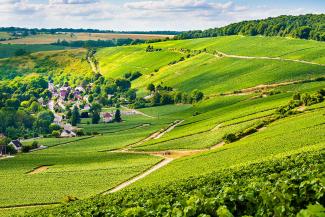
(11, 150)
(262, 189)
(304, 26)
(75, 116)
(117, 116)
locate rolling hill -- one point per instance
(245, 149)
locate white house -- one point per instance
(107, 117)
(16, 144)
(68, 133)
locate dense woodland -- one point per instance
(305, 27)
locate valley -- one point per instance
(216, 126)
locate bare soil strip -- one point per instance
(169, 129)
(38, 170)
(157, 134)
(141, 176)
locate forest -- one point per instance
(308, 26)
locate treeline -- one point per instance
(99, 43)
(308, 26)
(80, 30)
(21, 111)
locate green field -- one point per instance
(87, 166)
(9, 50)
(212, 74)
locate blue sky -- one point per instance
(146, 14)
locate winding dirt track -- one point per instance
(221, 54)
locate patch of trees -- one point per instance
(21, 113)
(132, 75)
(304, 27)
(150, 48)
(164, 95)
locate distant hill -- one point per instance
(308, 26)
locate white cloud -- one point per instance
(72, 1)
(133, 15)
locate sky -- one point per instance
(146, 15)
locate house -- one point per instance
(68, 127)
(107, 117)
(68, 133)
(16, 144)
(87, 107)
(64, 92)
(80, 89)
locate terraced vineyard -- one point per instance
(248, 139)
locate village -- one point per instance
(63, 99)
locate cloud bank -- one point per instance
(134, 15)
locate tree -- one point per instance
(43, 121)
(90, 98)
(75, 116)
(95, 117)
(12, 103)
(155, 100)
(54, 127)
(34, 107)
(117, 117)
(122, 84)
(197, 95)
(56, 133)
(151, 87)
(20, 52)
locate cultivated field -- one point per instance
(51, 38)
(245, 81)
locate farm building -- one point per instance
(107, 117)
(16, 144)
(68, 133)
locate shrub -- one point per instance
(34, 145)
(80, 132)
(10, 150)
(56, 133)
(230, 137)
(26, 148)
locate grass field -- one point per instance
(63, 65)
(211, 74)
(49, 38)
(8, 50)
(85, 166)
(4, 35)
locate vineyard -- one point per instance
(252, 146)
(281, 187)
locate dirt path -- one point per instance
(170, 128)
(221, 54)
(93, 66)
(137, 112)
(141, 176)
(156, 134)
(38, 170)
(261, 87)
